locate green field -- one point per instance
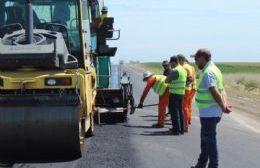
(238, 77)
(224, 67)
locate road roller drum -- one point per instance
(40, 130)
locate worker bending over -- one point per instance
(157, 82)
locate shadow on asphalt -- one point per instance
(6, 164)
(111, 118)
(156, 133)
(149, 116)
(156, 120)
(9, 162)
(168, 124)
(8, 159)
(138, 126)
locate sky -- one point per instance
(154, 30)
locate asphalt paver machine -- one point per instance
(114, 91)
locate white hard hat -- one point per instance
(104, 9)
(146, 75)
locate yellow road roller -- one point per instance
(47, 78)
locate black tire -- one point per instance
(82, 137)
(81, 140)
(90, 131)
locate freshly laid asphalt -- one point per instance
(135, 144)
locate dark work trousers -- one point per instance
(209, 141)
(176, 111)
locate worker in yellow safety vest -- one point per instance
(177, 79)
(189, 90)
(104, 14)
(211, 100)
(157, 82)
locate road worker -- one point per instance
(177, 80)
(104, 14)
(189, 90)
(157, 82)
(211, 101)
(166, 67)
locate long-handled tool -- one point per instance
(132, 109)
(148, 105)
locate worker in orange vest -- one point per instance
(190, 90)
(157, 82)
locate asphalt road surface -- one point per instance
(134, 144)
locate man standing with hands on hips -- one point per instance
(211, 101)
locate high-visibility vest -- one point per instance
(188, 69)
(99, 20)
(178, 86)
(103, 16)
(160, 86)
(203, 97)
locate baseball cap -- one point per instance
(165, 62)
(202, 53)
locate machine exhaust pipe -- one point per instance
(28, 22)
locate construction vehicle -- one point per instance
(114, 90)
(47, 78)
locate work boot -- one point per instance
(173, 132)
(199, 165)
(157, 126)
(212, 166)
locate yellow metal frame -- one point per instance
(34, 79)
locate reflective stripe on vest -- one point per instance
(178, 86)
(203, 97)
(160, 86)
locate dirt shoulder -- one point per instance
(248, 106)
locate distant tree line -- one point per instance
(134, 62)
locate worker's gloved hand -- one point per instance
(140, 105)
(189, 81)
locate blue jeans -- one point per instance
(209, 141)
